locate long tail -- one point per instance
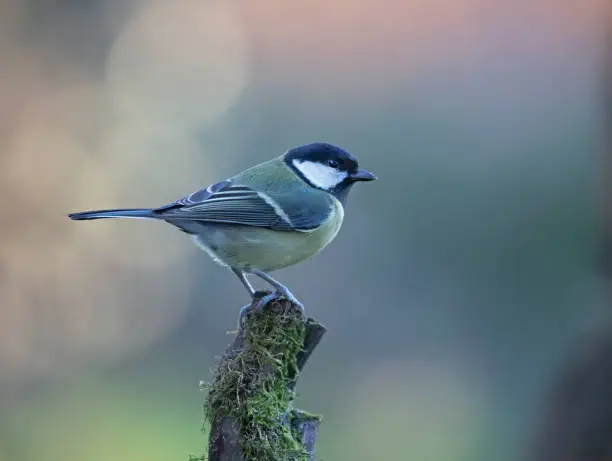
(136, 213)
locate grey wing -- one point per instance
(241, 205)
(195, 197)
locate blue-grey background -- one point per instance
(461, 279)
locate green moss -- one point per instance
(301, 415)
(253, 383)
(197, 458)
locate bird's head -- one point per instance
(326, 167)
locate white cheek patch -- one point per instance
(319, 175)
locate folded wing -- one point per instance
(229, 203)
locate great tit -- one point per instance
(272, 215)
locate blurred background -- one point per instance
(461, 286)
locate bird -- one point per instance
(270, 216)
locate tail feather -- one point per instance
(136, 213)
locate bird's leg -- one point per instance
(280, 290)
(242, 277)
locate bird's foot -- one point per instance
(292, 299)
(261, 302)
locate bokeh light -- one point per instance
(458, 286)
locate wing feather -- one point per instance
(238, 204)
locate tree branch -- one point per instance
(249, 403)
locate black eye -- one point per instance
(333, 163)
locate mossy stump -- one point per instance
(249, 403)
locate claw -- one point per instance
(281, 290)
(277, 294)
(291, 298)
(261, 302)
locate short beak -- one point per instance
(362, 175)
